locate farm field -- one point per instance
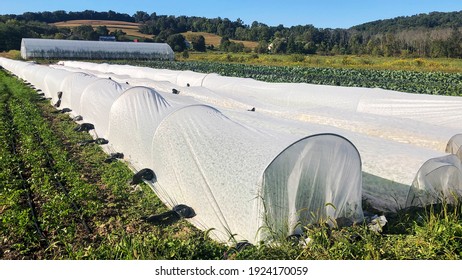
(85, 209)
(447, 65)
(438, 83)
(131, 28)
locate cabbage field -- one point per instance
(438, 83)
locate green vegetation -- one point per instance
(85, 209)
(368, 62)
(438, 83)
(424, 35)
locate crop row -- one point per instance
(437, 83)
(19, 213)
(37, 170)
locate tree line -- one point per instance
(425, 35)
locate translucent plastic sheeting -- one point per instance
(218, 166)
(419, 107)
(133, 120)
(53, 48)
(438, 181)
(229, 172)
(430, 116)
(327, 164)
(392, 153)
(389, 167)
(38, 79)
(52, 81)
(96, 101)
(180, 78)
(72, 87)
(45, 78)
(24, 67)
(395, 132)
(197, 145)
(454, 146)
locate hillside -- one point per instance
(421, 21)
(130, 28)
(213, 39)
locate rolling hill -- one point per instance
(132, 29)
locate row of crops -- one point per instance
(437, 83)
(44, 199)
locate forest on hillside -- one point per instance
(425, 35)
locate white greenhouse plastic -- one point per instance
(455, 146)
(134, 118)
(96, 101)
(53, 48)
(439, 180)
(395, 132)
(72, 88)
(243, 180)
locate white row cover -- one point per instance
(396, 133)
(455, 146)
(53, 48)
(244, 181)
(438, 181)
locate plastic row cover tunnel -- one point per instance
(221, 168)
(398, 134)
(439, 180)
(44, 78)
(435, 110)
(241, 181)
(454, 146)
(233, 176)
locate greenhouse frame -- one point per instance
(78, 49)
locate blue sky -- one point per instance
(320, 13)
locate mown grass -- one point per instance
(113, 210)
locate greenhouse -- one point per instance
(77, 49)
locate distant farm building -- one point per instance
(107, 38)
(77, 49)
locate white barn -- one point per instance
(77, 49)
